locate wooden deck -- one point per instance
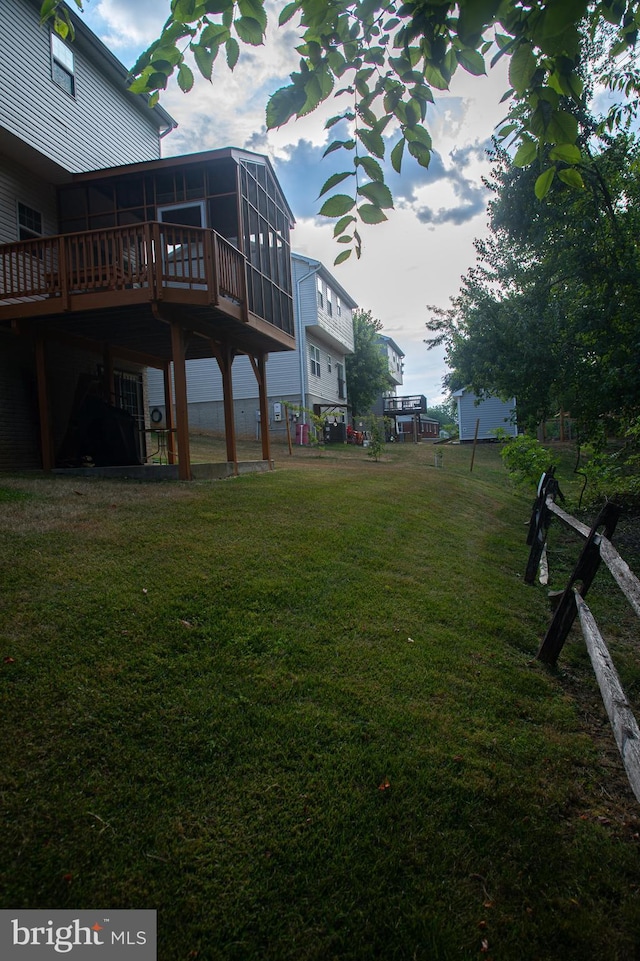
(105, 284)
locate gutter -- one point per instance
(299, 332)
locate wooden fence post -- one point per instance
(539, 523)
(583, 575)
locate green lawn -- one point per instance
(299, 714)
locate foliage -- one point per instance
(526, 459)
(376, 439)
(444, 413)
(382, 60)
(548, 314)
(367, 370)
(612, 468)
(315, 421)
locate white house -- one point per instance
(487, 415)
(311, 378)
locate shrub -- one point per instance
(526, 459)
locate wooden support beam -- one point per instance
(46, 433)
(225, 357)
(182, 415)
(169, 415)
(259, 365)
(623, 722)
(583, 575)
(108, 375)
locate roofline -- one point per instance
(391, 341)
(117, 68)
(347, 299)
(183, 160)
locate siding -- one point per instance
(18, 184)
(492, 412)
(101, 126)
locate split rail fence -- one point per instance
(597, 548)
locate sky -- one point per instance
(413, 261)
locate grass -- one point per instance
(299, 714)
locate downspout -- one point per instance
(299, 332)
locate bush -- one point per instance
(526, 459)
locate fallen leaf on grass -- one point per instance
(9, 660)
(186, 623)
(385, 785)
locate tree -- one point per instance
(367, 368)
(549, 314)
(382, 60)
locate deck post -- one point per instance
(225, 356)
(169, 416)
(182, 415)
(46, 435)
(259, 365)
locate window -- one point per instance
(329, 363)
(62, 65)
(314, 355)
(338, 307)
(320, 291)
(29, 223)
(329, 304)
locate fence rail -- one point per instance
(597, 549)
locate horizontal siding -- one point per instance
(101, 126)
(492, 412)
(18, 185)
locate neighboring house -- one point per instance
(395, 362)
(409, 415)
(311, 378)
(488, 415)
(113, 260)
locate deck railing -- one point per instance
(151, 255)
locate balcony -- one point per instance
(103, 283)
(405, 405)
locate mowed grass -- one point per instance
(300, 715)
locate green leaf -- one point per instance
(568, 152)
(371, 167)
(254, 10)
(283, 105)
(378, 193)
(543, 183)
(372, 141)
(337, 206)
(526, 153)
(396, 155)
(232, 49)
(249, 31)
(561, 15)
(185, 78)
(471, 61)
(522, 68)
(204, 60)
(370, 214)
(474, 17)
(287, 13)
(571, 177)
(336, 179)
(562, 128)
(337, 145)
(342, 224)
(420, 151)
(340, 259)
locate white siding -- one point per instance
(100, 126)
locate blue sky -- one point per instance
(418, 257)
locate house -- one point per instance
(395, 362)
(310, 379)
(113, 260)
(409, 415)
(485, 415)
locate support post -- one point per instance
(182, 415)
(46, 434)
(583, 575)
(225, 356)
(169, 415)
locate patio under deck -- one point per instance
(153, 294)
